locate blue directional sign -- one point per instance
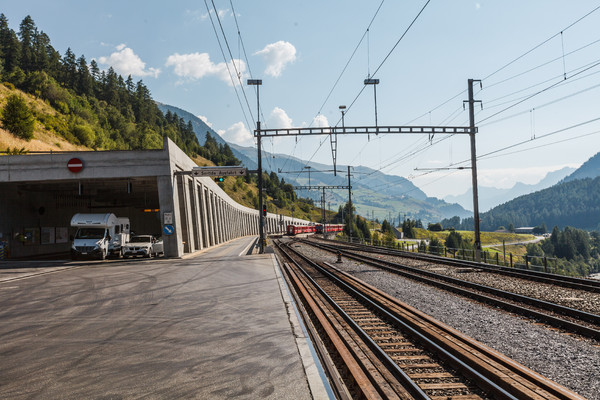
(168, 229)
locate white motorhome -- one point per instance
(98, 235)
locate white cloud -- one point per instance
(205, 120)
(200, 15)
(277, 55)
(320, 121)
(126, 62)
(238, 134)
(199, 65)
(279, 119)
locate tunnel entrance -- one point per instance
(37, 214)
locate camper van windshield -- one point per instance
(90, 233)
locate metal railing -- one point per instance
(527, 262)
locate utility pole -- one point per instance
(349, 205)
(261, 217)
(474, 168)
(323, 206)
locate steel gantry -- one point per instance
(323, 187)
(387, 130)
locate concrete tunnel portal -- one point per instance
(41, 192)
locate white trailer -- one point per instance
(98, 235)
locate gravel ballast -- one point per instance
(568, 360)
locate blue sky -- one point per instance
(299, 50)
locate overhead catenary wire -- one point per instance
(342, 72)
(380, 66)
(227, 64)
(538, 137)
(485, 157)
(243, 49)
(542, 43)
(237, 73)
(389, 54)
(461, 93)
(562, 82)
(539, 92)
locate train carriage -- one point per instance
(293, 230)
(329, 228)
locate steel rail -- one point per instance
(416, 331)
(360, 377)
(454, 285)
(336, 382)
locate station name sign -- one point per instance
(218, 171)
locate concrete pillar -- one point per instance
(225, 225)
(214, 218)
(168, 199)
(193, 214)
(226, 221)
(198, 215)
(184, 212)
(203, 216)
(219, 219)
(211, 217)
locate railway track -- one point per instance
(382, 348)
(590, 285)
(566, 318)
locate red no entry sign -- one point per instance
(75, 165)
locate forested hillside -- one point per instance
(589, 169)
(94, 108)
(573, 203)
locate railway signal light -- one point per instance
(264, 210)
(219, 179)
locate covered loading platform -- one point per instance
(39, 193)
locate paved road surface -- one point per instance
(204, 327)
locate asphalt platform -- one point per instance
(219, 324)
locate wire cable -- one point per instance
(227, 64)
(537, 93)
(541, 44)
(237, 73)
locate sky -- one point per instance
(537, 62)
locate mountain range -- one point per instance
(571, 202)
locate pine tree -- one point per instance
(17, 117)
(27, 34)
(84, 79)
(69, 68)
(10, 48)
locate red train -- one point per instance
(319, 228)
(328, 228)
(298, 229)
